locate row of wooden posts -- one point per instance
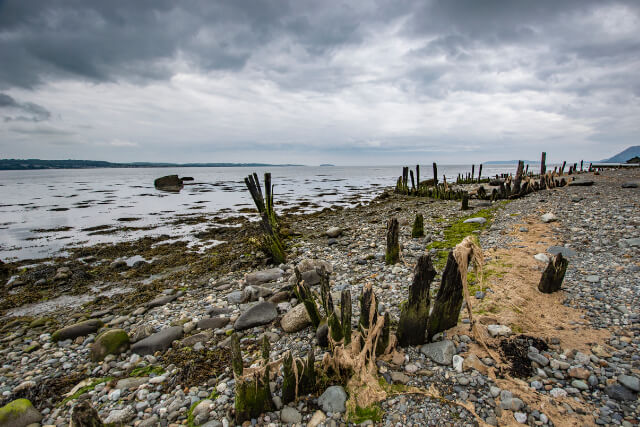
(510, 186)
(352, 352)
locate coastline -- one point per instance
(193, 284)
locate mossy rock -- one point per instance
(76, 330)
(40, 321)
(19, 413)
(112, 341)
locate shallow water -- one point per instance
(43, 212)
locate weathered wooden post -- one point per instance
(393, 246)
(553, 275)
(480, 173)
(345, 314)
(253, 395)
(473, 171)
(448, 302)
(271, 231)
(581, 163)
(84, 414)
(304, 294)
(413, 183)
(418, 177)
(518, 178)
(435, 174)
(405, 179)
(563, 166)
(418, 226)
(415, 313)
(465, 201)
(543, 166)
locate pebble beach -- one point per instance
(564, 359)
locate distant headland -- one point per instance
(32, 164)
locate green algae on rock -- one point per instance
(112, 341)
(19, 413)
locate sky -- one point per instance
(310, 82)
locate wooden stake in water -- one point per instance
(543, 166)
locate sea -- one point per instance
(43, 213)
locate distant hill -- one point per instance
(508, 162)
(625, 155)
(31, 164)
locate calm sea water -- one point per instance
(46, 211)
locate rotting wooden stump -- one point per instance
(418, 226)
(553, 275)
(253, 394)
(271, 231)
(465, 201)
(415, 313)
(299, 376)
(345, 315)
(393, 246)
(304, 294)
(85, 415)
(448, 302)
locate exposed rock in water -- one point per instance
(169, 183)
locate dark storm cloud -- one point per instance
(12, 110)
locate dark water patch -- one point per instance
(52, 230)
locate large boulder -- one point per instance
(213, 323)
(112, 341)
(159, 341)
(295, 319)
(168, 183)
(160, 301)
(19, 413)
(260, 314)
(77, 330)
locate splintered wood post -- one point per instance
(435, 174)
(480, 173)
(553, 275)
(563, 166)
(473, 171)
(345, 315)
(366, 306)
(526, 172)
(418, 226)
(405, 179)
(543, 165)
(325, 290)
(253, 395)
(413, 183)
(304, 294)
(393, 246)
(415, 312)
(448, 302)
(288, 378)
(418, 177)
(272, 242)
(518, 178)
(465, 201)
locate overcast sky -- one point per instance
(312, 82)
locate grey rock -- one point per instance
(77, 330)
(538, 358)
(238, 297)
(290, 415)
(260, 314)
(264, 276)
(630, 382)
(160, 301)
(19, 413)
(159, 341)
(120, 416)
(499, 330)
(334, 232)
(131, 382)
(620, 393)
(592, 279)
(629, 185)
(152, 421)
(213, 323)
(579, 384)
(566, 252)
(333, 399)
(476, 220)
(440, 352)
(548, 217)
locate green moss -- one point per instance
(458, 230)
(190, 417)
(85, 389)
(392, 255)
(145, 371)
(113, 341)
(13, 410)
(418, 226)
(360, 415)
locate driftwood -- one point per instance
(393, 246)
(415, 313)
(271, 231)
(553, 275)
